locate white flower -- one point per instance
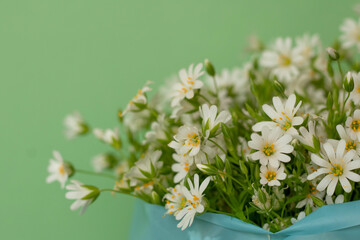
(355, 94)
(122, 184)
(255, 199)
(282, 116)
(158, 130)
(308, 198)
(100, 162)
(108, 136)
(271, 147)
(58, 170)
(306, 46)
(189, 82)
(211, 119)
(75, 125)
(337, 166)
(339, 199)
(77, 191)
(182, 166)
(195, 202)
(254, 43)
(134, 121)
(139, 99)
(352, 141)
(283, 60)
(352, 125)
(271, 176)
(144, 164)
(351, 33)
(187, 141)
(300, 216)
(243, 148)
(175, 200)
(307, 136)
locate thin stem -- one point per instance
(95, 173)
(203, 97)
(216, 86)
(161, 186)
(116, 191)
(340, 70)
(110, 190)
(218, 146)
(347, 97)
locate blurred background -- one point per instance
(92, 56)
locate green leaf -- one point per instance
(146, 174)
(317, 201)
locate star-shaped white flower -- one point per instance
(189, 82)
(195, 202)
(337, 166)
(351, 33)
(272, 147)
(271, 176)
(282, 59)
(282, 116)
(58, 170)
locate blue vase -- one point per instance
(330, 222)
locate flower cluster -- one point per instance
(267, 143)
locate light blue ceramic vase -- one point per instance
(340, 221)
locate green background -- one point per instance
(92, 56)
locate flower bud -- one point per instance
(349, 82)
(278, 86)
(207, 169)
(317, 201)
(209, 68)
(333, 54)
(155, 198)
(243, 168)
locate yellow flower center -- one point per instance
(285, 122)
(268, 149)
(355, 125)
(193, 140)
(270, 175)
(350, 145)
(62, 169)
(284, 60)
(336, 169)
(186, 168)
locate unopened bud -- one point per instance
(333, 54)
(349, 82)
(209, 68)
(278, 86)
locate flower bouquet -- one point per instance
(251, 152)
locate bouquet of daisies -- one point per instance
(267, 143)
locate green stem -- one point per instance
(216, 86)
(160, 185)
(203, 97)
(95, 173)
(218, 146)
(345, 100)
(340, 70)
